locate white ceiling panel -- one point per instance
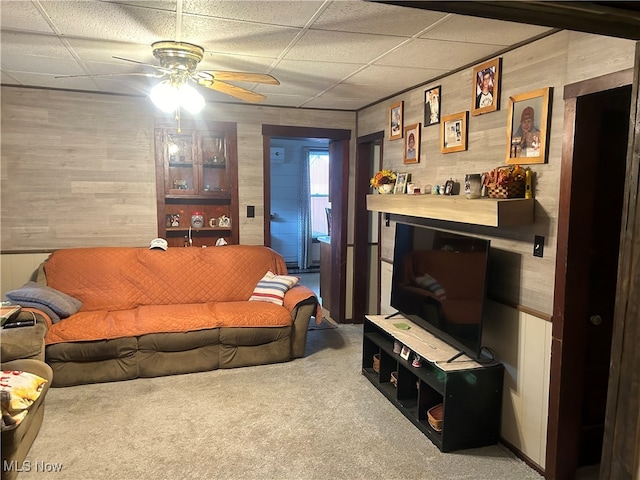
(459, 28)
(342, 54)
(23, 16)
(110, 21)
(341, 47)
(379, 18)
(287, 13)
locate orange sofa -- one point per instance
(148, 313)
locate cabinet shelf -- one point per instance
(490, 212)
(201, 229)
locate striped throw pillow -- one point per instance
(272, 287)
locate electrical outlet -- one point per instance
(538, 246)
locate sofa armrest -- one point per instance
(23, 342)
(303, 304)
(31, 365)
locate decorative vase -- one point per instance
(386, 188)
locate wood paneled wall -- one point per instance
(562, 58)
(78, 168)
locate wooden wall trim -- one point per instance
(598, 84)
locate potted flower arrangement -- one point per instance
(383, 181)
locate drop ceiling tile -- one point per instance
(460, 28)
(236, 63)
(436, 54)
(341, 47)
(20, 43)
(289, 13)
(307, 70)
(368, 93)
(49, 81)
(368, 17)
(335, 103)
(23, 16)
(387, 75)
(110, 21)
(231, 36)
(103, 51)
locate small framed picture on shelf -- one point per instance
(432, 106)
(486, 87)
(395, 121)
(527, 127)
(453, 132)
(405, 352)
(412, 143)
(401, 183)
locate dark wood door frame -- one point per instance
(622, 419)
(338, 190)
(361, 280)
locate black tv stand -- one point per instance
(456, 356)
(471, 393)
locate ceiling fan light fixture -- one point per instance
(190, 99)
(165, 97)
(168, 97)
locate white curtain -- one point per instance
(304, 212)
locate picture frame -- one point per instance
(453, 132)
(405, 352)
(412, 144)
(486, 87)
(396, 121)
(432, 106)
(401, 183)
(528, 127)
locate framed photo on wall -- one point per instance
(528, 126)
(401, 183)
(486, 87)
(395, 121)
(453, 132)
(432, 106)
(412, 143)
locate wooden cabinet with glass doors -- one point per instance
(197, 183)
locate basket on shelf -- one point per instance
(505, 181)
(434, 416)
(513, 189)
(376, 363)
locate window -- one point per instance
(319, 191)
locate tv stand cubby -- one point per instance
(471, 393)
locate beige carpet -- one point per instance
(311, 418)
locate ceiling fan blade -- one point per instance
(139, 74)
(242, 77)
(238, 92)
(157, 67)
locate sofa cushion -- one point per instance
(32, 294)
(18, 390)
(272, 288)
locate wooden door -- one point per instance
(589, 224)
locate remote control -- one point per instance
(21, 323)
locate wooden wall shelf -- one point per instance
(490, 212)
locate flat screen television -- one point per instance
(439, 283)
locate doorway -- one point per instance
(299, 173)
(338, 143)
(589, 224)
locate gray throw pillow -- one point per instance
(34, 293)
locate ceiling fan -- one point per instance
(178, 68)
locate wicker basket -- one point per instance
(506, 190)
(434, 416)
(376, 363)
